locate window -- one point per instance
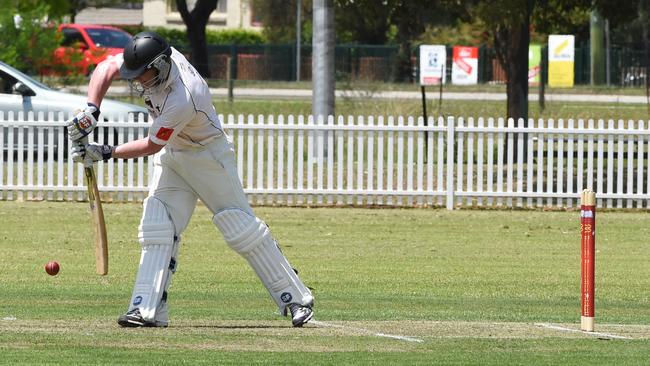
(72, 36)
(256, 18)
(108, 37)
(171, 6)
(6, 83)
(222, 6)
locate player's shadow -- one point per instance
(208, 326)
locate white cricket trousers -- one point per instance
(208, 173)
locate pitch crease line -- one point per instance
(361, 330)
(595, 334)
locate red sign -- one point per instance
(461, 54)
(465, 65)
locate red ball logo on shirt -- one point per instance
(164, 133)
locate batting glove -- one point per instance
(83, 123)
(92, 152)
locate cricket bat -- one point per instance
(98, 223)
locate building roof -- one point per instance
(109, 16)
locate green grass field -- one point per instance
(370, 106)
(457, 108)
(392, 286)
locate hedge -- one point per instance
(178, 37)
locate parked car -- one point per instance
(86, 45)
(19, 92)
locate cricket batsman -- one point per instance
(193, 159)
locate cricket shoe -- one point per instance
(300, 314)
(133, 319)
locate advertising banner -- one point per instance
(560, 60)
(534, 64)
(464, 69)
(433, 59)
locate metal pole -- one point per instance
(323, 65)
(596, 30)
(442, 80)
(426, 118)
(607, 59)
(424, 104)
(323, 59)
(298, 36)
(542, 85)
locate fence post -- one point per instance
(450, 162)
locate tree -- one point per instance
(196, 21)
(364, 21)
(279, 19)
(562, 17)
(56, 9)
(411, 18)
(631, 19)
(508, 21)
(395, 21)
(27, 37)
(626, 17)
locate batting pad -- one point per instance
(251, 238)
(156, 234)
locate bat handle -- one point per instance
(88, 163)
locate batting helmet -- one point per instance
(145, 51)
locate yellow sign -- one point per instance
(560, 74)
(561, 60)
(557, 51)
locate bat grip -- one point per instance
(90, 181)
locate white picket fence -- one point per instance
(364, 161)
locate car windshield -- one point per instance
(108, 37)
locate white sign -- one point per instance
(561, 60)
(464, 69)
(433, 61)
(561, 47)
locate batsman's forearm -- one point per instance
(136, 149)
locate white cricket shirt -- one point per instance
(184, 116)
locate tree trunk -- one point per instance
(517, 73)
(511, 45)
(196, 22)
(196, 36)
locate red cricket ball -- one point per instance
(52, 268)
